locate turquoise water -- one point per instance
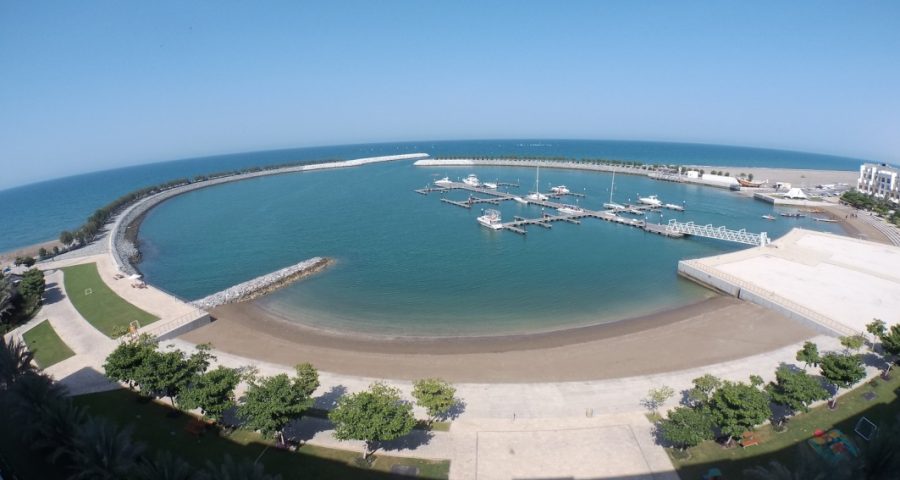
(37, 212)
(410, 265)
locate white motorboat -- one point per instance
(492, 186)
(560, 190)
(570, 210)
(521, 200)
(472, 180)
(443, 181)
(769, 217)
(491, 219)
(672, 206)
(614, 206)
(651, 200)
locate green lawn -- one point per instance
(46, 345)
(783, 447)
(97, 303)
(156, 426)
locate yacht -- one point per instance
(521, 200)
(769, 217)
(614, 206)
(560, 190)
(570, 210)
(472, 180)
(492, 186)
(651, 200)
(672, 206)
(536, 195)
(491, 219)
(443, 181)
(612, 186)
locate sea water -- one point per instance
(408, 264)
(38, 212)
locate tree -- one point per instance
(15, 362)
(737, 407)
(877, 328)
(43, 253)
(373, 416)
(842, 370)
(26, 260)
(124, 363)
(795, 389)
(853, 342)
(212, 392)
(66, 237)
(435, 395)
(809, 355)
(656, 397)
(229, 469)
(103, 451)
(166, 374)
(307, 378)
(703, 388)
(686, 427)
(890, 341)
(271, 403)
(164, 466)
(6, 295)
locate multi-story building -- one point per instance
(880, 180)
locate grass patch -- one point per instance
(46, 345)
(97, 303)
(155, 425)
(783, 446)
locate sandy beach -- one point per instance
(7, 258)
(715, 330)
(795, 176)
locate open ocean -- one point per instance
(38, 212)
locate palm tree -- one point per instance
(164, 466)
(15, 361)
(6, 295)
(232, 470)
(103, 451)
(47, 418)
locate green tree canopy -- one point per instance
(738, 407)
(271, 403)
(435, 395)
(212, 392)
(66, 237)
(890, 341)
(703, 387)
(809, 354)
(307, 378)
(124, 363)
(842, 370)
(877, 328)
(795, 389)
(686, 427)
(853, 342)
(373, 416)
(32, 285)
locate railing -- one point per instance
(773, 297)
(718, 233)
(161, 327)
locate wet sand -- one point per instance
(711, 331)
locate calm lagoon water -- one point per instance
(411, 265)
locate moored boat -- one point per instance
(443, 181)
(651, 200)
(491, 219)
(672, 206)
(490, 185)
(748, 183)
(769, 217)
(560, 190)
(472, 180)
(570, 210)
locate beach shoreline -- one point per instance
(664, 341)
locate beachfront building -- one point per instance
(879, 180)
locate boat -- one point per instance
(520, 200)
(827, 220)
(792, 215)
(748, 183)
(769, 217)
(491, 219)
(560, 190)
(672, 206)
(614, 206)
(443, 181)
(612, 186)
(570, 210)
(536, 195)
(651, 200)
(490, 185)
(472, 180)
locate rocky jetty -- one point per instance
(263, 285)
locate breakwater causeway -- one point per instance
(263, 285)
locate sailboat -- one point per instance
(537, 195)
(611, 204)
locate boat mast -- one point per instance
(613, 186)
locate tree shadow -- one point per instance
(329, 399)
(458, 408)
(52, 293)
(411, 441)
(872, 359)
(305, 428)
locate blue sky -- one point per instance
(91, 85)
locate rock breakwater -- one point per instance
(261, 286)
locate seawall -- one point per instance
(263, 285)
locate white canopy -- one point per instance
(134, 276)
(795, 193)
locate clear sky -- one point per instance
(88, 85)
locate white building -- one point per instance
(879, 180)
